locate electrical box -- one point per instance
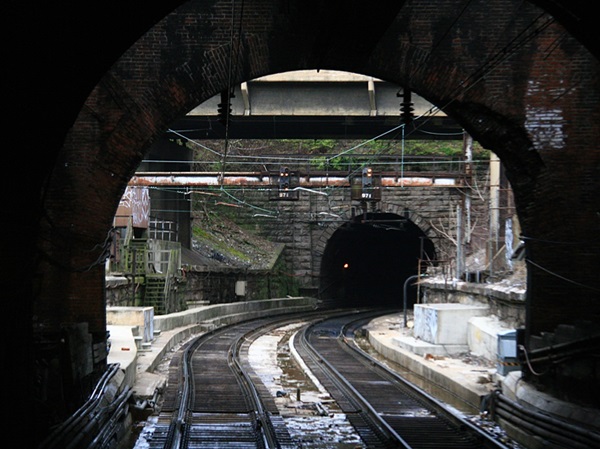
(240, 288)
(507, 353)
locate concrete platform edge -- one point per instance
(384, 345)
(173, 329)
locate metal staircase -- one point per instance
(155, 294)
(154, 267)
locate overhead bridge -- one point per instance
(309, 104)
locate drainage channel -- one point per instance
(314, 420)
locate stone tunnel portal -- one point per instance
(368, 259)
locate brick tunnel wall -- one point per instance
(510, 74)
(184, 60)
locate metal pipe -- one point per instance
(408, 279)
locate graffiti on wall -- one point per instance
(134, 206)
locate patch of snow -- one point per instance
(312, 417)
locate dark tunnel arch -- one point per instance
(368, 259)
(163, 75)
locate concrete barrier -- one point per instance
(482, 335)
(170, 330)
(123, 350)
(231, 312)
(142, 317)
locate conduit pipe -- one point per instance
(544, 426)
(405, 299)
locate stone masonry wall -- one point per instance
(505, 302)
(304, 226)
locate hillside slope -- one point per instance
(219, 242)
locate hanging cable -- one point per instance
(579, 284)
(535, 373)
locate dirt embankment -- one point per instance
(218, 241)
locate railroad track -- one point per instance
(385, 409)
(213, 398)
(208, 403)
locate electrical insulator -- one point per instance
(406, 107)
(224, 108)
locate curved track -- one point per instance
(211, 401)
(385, 409)
(215, 400)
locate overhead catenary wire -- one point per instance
(508, 50)
(504, 53)
(195, 142)
(488, 65)
(329, 159)
(515, 44)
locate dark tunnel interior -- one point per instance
(368, 259)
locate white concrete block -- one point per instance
(445, 323)
(143, 317)
(482, 335)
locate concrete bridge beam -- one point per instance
(316, 93)
(312, 104)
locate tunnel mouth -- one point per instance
(368, 259)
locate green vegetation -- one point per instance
(277, 284)
(329, 147)
(226, 239)
(326, 154)
(220, 241)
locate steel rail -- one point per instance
(263, 424)
(182, 421)
(264, 416)
(501, 407)
(408, 407)
(386, 434)
(176, 432)
(346, 339)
